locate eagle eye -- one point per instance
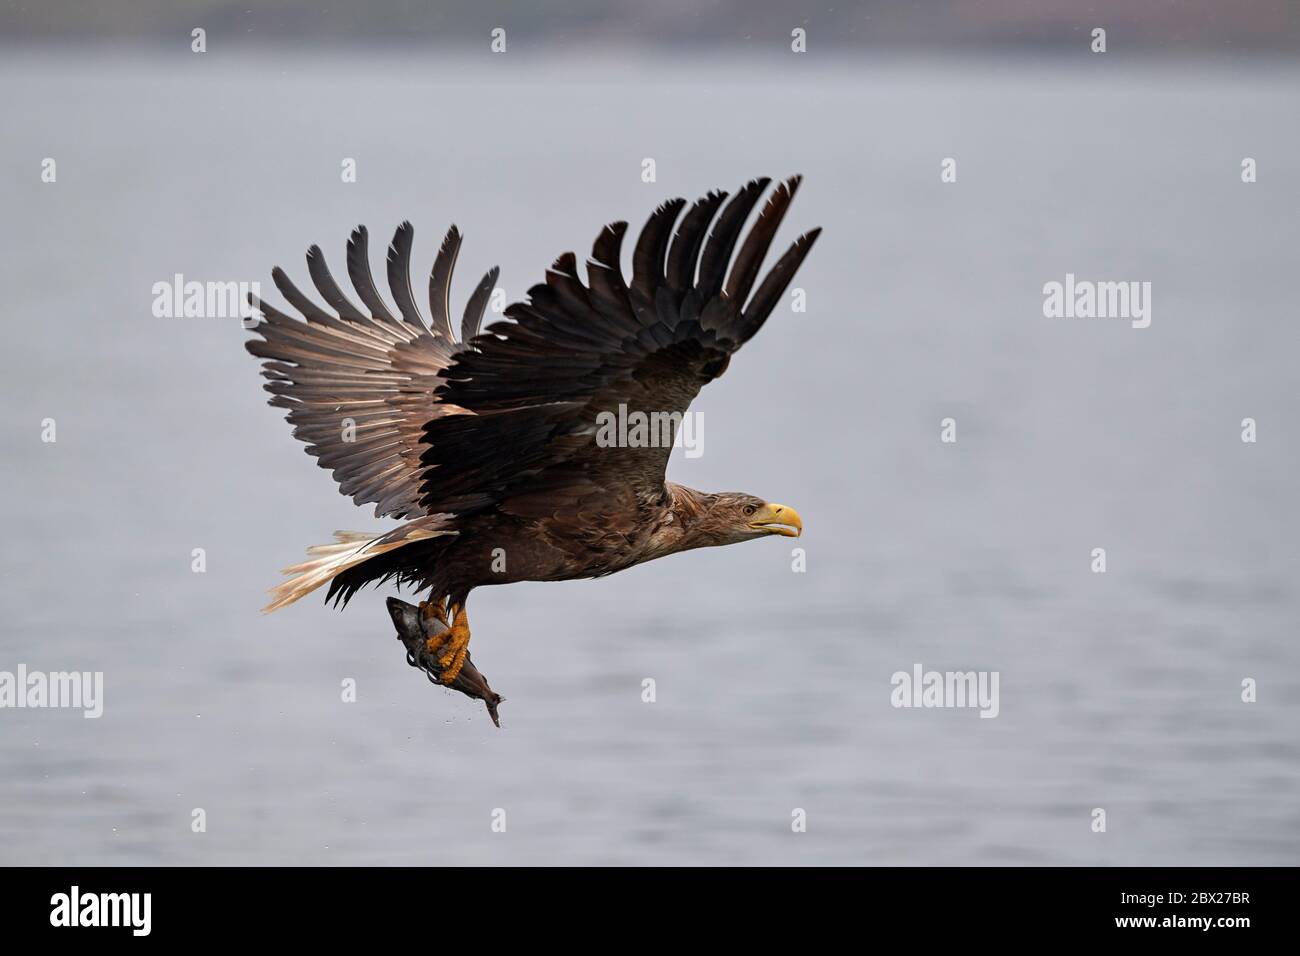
(749, 510)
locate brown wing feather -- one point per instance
(538, 385)
(359, 388)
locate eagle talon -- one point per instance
(452, 646)
(435, 611)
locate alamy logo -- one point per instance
(921, 688)
(179, 299)
(102, 909)
(68, 689)
(1085, 299)
(637, 429)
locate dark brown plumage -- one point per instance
(489, 444)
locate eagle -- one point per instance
(489, 447)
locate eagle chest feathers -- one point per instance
(601, 541)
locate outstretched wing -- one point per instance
(359, 381)
(536, 387)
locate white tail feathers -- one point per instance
(350, 548)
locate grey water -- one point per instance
(1119, 691)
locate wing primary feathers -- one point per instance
(399, 275)
(362, 280)
(754, 248)
(722, 239)
(310, 310)
(774, 285)
(685, 250)
(477, 304)
(608, 288)
(651, 245)
(329, 289)
(607, 250)
(568, 290)
(440, 283)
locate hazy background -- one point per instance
(1119, 691)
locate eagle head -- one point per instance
(732, 516)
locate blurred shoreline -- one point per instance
(869, 25)
(1186, 64)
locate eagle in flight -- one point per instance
(487, 445)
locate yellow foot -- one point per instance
(452, 645)
(435, 611)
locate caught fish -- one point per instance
(414, 629)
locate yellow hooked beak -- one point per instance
(777, 519)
